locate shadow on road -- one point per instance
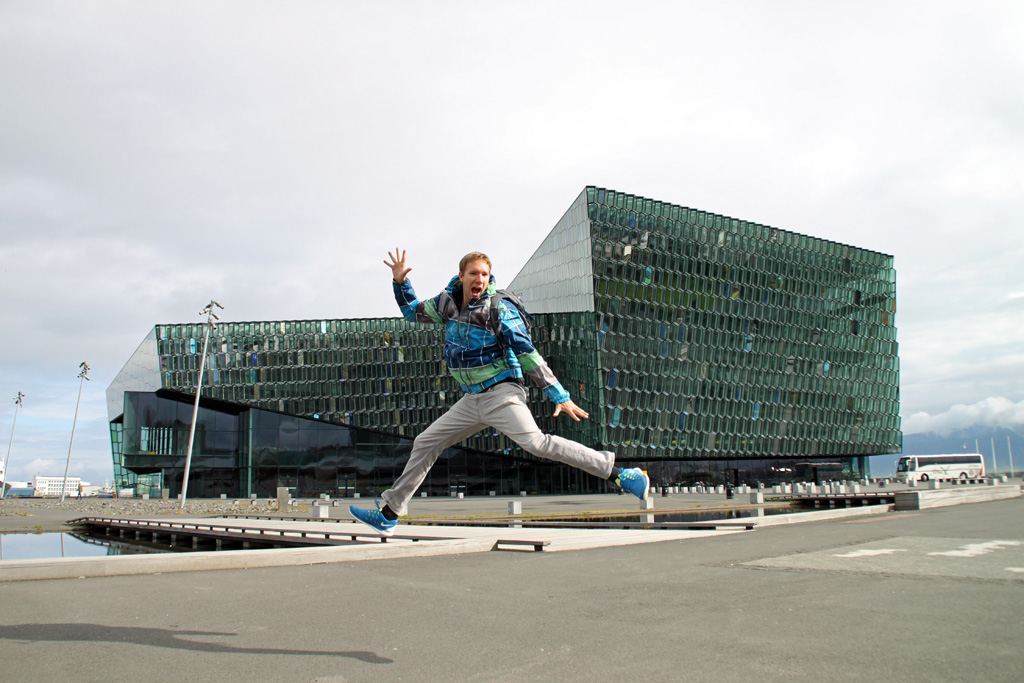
(157, 637)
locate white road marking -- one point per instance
(871, 552)
(977, 549)
(913, 555)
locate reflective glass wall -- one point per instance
(718, 338)
(240, 451)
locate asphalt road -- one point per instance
(934, 595)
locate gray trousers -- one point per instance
(504, 408)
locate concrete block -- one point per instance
(355, 495)
(223, 496)
(757, 497)
(856, 488)
(719, 489)
(493, 493)
(919, 500)
(934, 485)
(912, 483)
(523, 494)
(776, 489)
(461, 495)
(145, 496)
(423, 494)
(321, 511)
(515, 507)
(647, 504)
(282, 497)
(165, 494)
(252, 496)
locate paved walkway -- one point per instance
(430, 535)
(913, 596)
(442, 527)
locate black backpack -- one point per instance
(499, 296)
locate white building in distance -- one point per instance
(53, 487)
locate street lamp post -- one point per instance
(7, 462)
(210, 317)
(1009, 449)
(82, 376)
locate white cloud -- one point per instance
(993, 412)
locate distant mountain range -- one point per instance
(977, 439)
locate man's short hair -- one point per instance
(474, 256)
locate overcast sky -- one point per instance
(155, 155)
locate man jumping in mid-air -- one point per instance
(491, 374)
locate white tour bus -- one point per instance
(925, 467)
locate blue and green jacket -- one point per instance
(471, 348)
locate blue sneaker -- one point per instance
(374, 518)
(634, 481)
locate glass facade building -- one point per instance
(704, 347)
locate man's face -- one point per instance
(474, 279)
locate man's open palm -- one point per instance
(398, 268)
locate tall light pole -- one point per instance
(82, 376)
(210, 317)
(7, 476)
(1009, 449)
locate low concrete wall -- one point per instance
(819, 515)
(119, 565)
(919, 500)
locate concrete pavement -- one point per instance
(924, 595)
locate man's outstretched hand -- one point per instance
(572, 410)
(398, 268)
